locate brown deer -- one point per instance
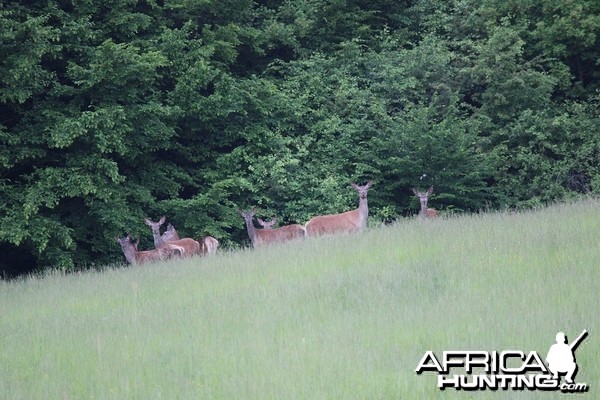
(191, 246)
(135, 257)
(208, 244)
(348, 222)
(263, 237)
(423, 198)
(292, 231)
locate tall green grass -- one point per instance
(344, 317)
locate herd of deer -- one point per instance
(169, 244)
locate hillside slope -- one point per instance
(340, 317)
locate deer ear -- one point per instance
(430, 190)
(147, 222)
(354, 186)
(415, 191)
(369, 184)
(162, 220)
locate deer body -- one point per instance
(135, 257)
(262, 237)
(208, 245)
(423, 198)
(347, 222)
(288, 232)
(431, 213)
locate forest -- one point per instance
(118, 110)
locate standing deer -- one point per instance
(350, 221)
(136, 257)
(423, 198)
(262, 237)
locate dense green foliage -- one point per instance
(112, 111)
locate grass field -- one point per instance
(336, 318)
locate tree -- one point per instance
(115, 111)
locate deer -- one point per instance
(207, 245)
(423, 198)
(137, 258)
(347, 222)
(292, 231)
(170, 234)
(263, 237)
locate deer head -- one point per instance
(248, 214)
(362, 190)
(423, 196)
(265, 224)
(170, 234)
(155, 225)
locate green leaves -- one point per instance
(25, 41)
(103, 128)
(118, 67)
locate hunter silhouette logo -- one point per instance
(508, 369)
(560, 357)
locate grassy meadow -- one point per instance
(345, 317)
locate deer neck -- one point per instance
(423, 212)
(130, 252)
(158, 240)
(363, 210)
(251, 230)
